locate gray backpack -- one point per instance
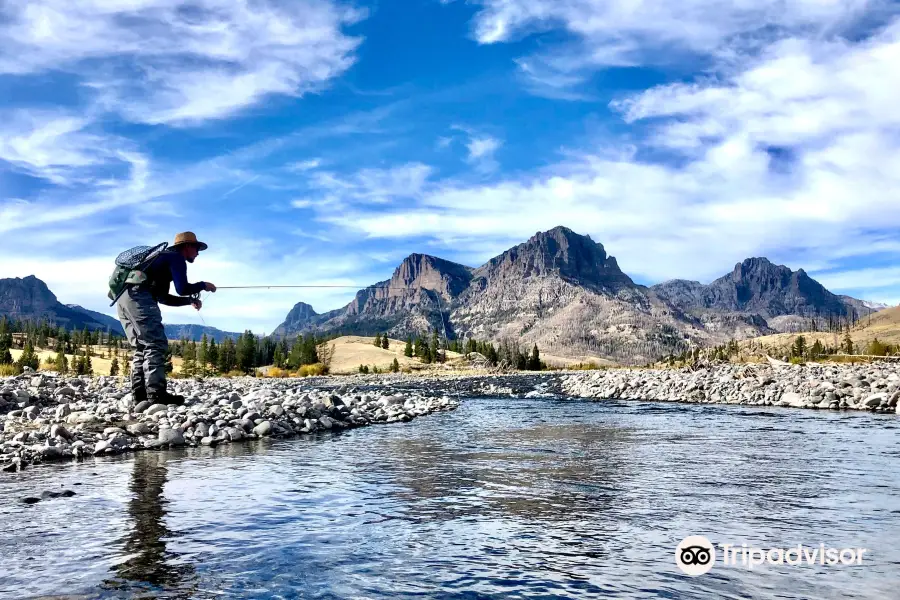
(130, 268)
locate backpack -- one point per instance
(130, 269)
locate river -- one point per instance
(502, 498)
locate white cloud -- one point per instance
(866, 278)
(57, 147)
(795, 154)
(306, 165)
(608, 33)
(482, 149)
(178, 62)
(370, 186)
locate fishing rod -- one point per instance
(376, 286)
(265, 287)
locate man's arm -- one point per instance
(170, 300)
(179, 278)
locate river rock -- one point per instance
(58, 430)
(874, 400)
(138, 429)
(263, 429)
(173, 437)
(81, 417)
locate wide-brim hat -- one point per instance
(188, 237)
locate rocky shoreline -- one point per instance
(45, 417)
(874, 387)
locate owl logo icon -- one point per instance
(695, 555)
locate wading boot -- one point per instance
(164, 397)
(138, 395)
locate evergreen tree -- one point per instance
(28, 357)
(408, 351)
(42, 339)
(395, 366)
(278, 359)
(378, 340)
(491, 355)
(88, 366)
(436, 355)
(62, 363)
(384, 341)
(817, 349)
(114, 366)
(246, 352)
(188, 361)
(521, 360)
(5, 343)
(799, 348)
(202, 356)
(847, 345)
(212, 356)
(534, 363)
(309, 354)
(126, 367)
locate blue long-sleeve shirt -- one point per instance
(170, 267)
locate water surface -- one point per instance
(502, 498)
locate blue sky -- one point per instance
(320, 142)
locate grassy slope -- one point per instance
(100, 365)
(885, 325)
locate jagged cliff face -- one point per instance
(29, 298)
(410, 301)
(761, 297)
(563, 292)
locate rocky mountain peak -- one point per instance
(564, 253)
(431, 273)
(300, 314)
(25, 295)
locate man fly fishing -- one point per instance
(138, 310)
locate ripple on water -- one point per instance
(503, 498)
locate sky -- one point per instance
(321, 142)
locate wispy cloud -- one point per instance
(305, 165)
(481, 152)
(612, 33)
(165, 61)
(372, 186)
(59, 147)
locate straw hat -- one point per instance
(188, 237)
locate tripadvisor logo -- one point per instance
(696, 555)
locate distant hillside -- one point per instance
(195, 333)
(30, 299)
(884, 325)
(107, 321)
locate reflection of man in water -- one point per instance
(146, 565)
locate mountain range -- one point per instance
(559, 290)
(29, 298)
(562, 291)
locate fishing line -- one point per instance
(437, 298)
